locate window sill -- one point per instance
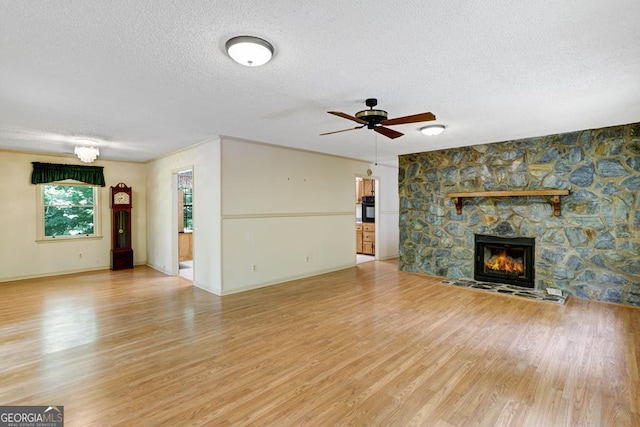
(67, 239)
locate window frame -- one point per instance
(97, 209)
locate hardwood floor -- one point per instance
(367, 345)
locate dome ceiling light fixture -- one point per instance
(432, 130)
(249, 50)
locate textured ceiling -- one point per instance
(149, 77)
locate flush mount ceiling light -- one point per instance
(86, 154)
(250, 51)
(432, 130)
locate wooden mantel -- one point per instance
(457, 197)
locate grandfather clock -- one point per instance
(121, 251)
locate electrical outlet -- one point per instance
(554, 291)
(253, 267)
(306, 259)
(79, 254)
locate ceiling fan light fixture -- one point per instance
(86, 154)
(432, 130)
(249, 50)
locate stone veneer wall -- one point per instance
(592, 250)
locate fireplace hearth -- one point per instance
(506, 260)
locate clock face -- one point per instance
(121, 198)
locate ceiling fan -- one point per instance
(377, 120)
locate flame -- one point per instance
(503, 262)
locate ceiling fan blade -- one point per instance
(422, 117)
(389, 133)
(346, 116)
(343, 130)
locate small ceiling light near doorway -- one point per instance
(432, 130)
(86, 154)
(250, 51)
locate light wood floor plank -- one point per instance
(368, 345)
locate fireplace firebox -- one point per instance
(505, 260)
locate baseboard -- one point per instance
(58, 273)
(159, 269)
(52, 274)
(285, 279)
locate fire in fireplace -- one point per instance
(505, 263)
(504, 260)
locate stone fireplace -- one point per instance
(588, 246)
(505, 260)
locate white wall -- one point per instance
(22, 257)
(387, 206)
(291, 213)
(204, 159)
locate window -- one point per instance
(188, 208)
(185, 200)
(68, 210)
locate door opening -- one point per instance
(365, 219)
(185, 224)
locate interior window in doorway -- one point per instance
(185, 223)
(185, 191)
(187, 209)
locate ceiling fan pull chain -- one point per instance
(376, 142)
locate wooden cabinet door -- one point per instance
(368, 248)
(359, 238)
(368, 239)
(184, 246)
(180, 211)
(368, 187)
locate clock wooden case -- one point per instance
(121, 250)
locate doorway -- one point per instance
(365, 219)
(185, 224)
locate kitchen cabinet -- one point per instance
(185, 245)
(368, 187)
(364, 187)
(359, 188)
(366, 238)
(180, 211)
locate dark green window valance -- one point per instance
(49, 172)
